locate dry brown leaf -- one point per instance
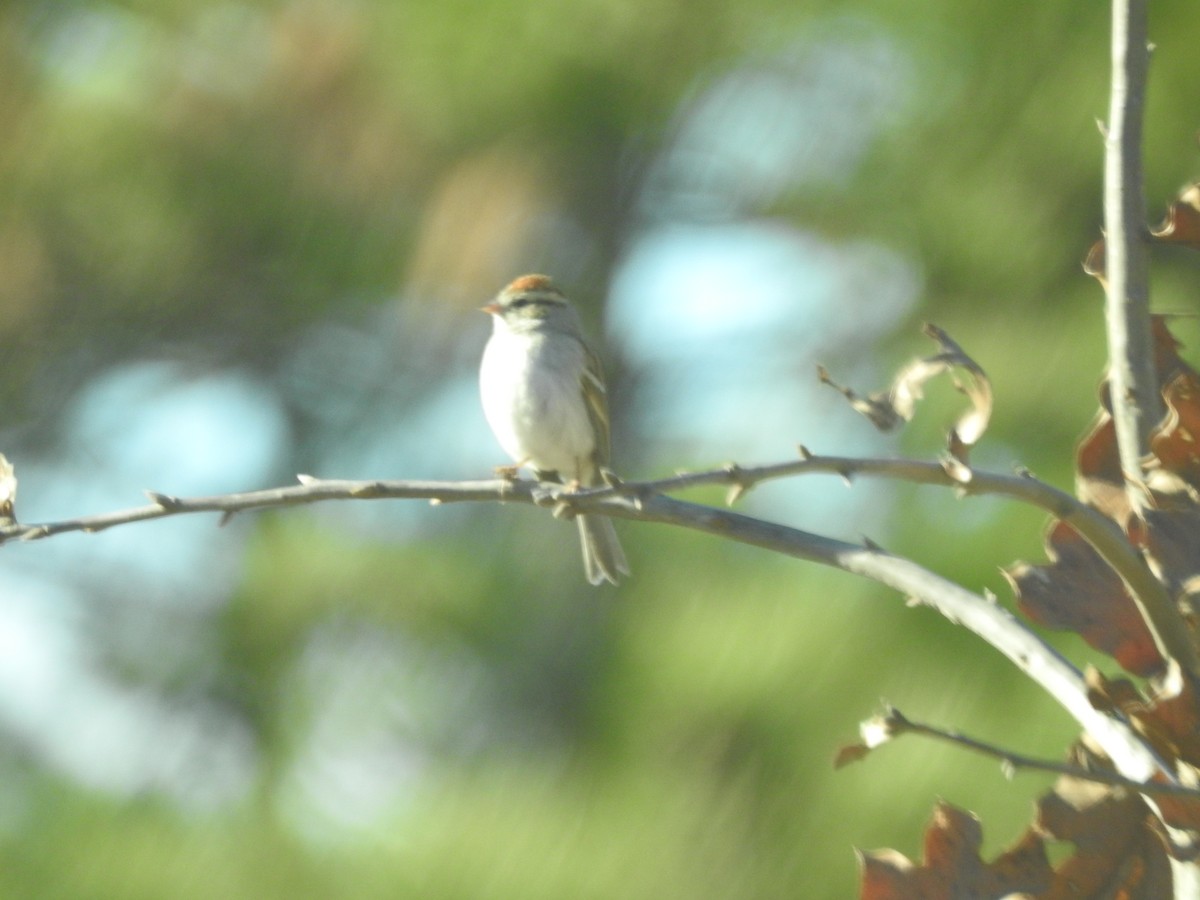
(1077, 591)
(1170, 540)
(1170, 722)
(952, 867)
(1182, 224)
(850, 753)
(890, 409)
(1118, 852)
(1098, 481)
(1095, 263)
(1174, 442)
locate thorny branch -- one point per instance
(1103, 534)
(646, 501)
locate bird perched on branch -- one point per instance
(544, 397)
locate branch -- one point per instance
(1136, 404)
(994, 624)
(892, 724)
(1104, 535)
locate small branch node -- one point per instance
(736, 492)
(544, 496)
(165, 501)
(956, 469)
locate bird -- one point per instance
(543, 394)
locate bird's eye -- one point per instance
(519, 302)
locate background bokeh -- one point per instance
(242, 240)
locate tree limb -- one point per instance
(1104, 536)
(1132, 756)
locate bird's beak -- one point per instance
(491, 309)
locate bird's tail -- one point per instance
(603, 558)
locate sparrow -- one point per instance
(543, 395)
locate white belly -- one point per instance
(534, 403)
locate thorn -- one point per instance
(736, 492)
(847, 477)
(435, 501)
(872, 546)
(563, 510)
(226, 517)
(610, 478)
(307, 480)
(804, 452)
(1102, 127)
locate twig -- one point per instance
(896, 724)
(1136, 404)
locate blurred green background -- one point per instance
(244, 240)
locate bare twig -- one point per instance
(895, 723)
(1136, 404)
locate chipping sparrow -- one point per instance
(543, 396)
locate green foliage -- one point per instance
(430, 702)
